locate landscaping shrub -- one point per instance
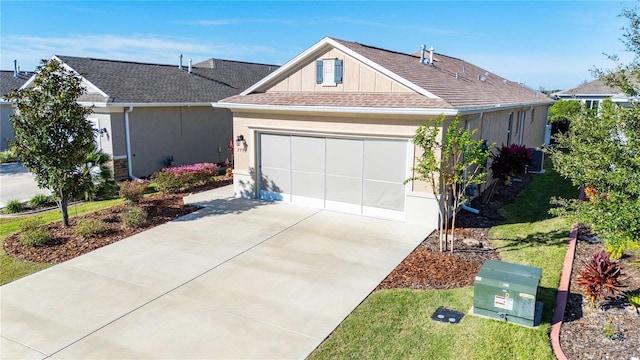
(134, 217)
(33, 232)
(175, 179)
(13, 206)
(600, 276)
(89, 227)
(40, 200)
(167, 182)
(8, 155)
(133, 191)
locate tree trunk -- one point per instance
(63, 204)
(453, 225)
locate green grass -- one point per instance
(396, 324)
(12, 269)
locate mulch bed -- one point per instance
(428, 268)
(65, 245)
(609, 331)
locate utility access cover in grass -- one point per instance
(447, 315)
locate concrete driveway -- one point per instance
(17, 183)
(237, 279)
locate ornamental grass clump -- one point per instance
(175, 179)
(33, 232)
(133, 218)
(600, 276)
(88, 228)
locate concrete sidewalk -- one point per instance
(237, 279)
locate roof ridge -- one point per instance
(158, 64)
(239, 62)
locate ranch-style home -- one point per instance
(332, 128)
(9, 80)
(591, 94)
(150, 116)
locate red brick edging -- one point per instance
(563, 294)
(563, 290)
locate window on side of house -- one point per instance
(329, 72)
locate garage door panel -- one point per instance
(307, 154)
(277, 151)
(344, 157)
(307, 184)
(383, 195)
(275, 180)
(344, 189)
(385, 160)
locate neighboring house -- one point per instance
(591, 94)
(332, 128)
(9, 80)
(150, 116)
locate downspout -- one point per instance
(127, 137)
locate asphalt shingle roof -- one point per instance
(9, 82)
(133, 82)
(596, 87)
(457, 83)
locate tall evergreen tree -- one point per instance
(52, 135)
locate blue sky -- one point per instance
(544, 44)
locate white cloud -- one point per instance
(29, 50)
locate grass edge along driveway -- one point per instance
(396, 324)
(12, 269)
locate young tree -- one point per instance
(602, 152)
(52, 135)
(450, 164)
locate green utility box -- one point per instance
(508, 292)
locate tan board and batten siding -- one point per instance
(357, 78)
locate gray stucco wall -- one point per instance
(6, 128)
(189, 134)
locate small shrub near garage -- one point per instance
(88, 228)
(175, 179)
(133, 191)
(13, 206)
(8, 156)
(33, 232)
(134, 217)
(40, 201)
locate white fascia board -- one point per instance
(97, 89)
(28, 82)
(341, 109)
(476, 109)
(325, 42)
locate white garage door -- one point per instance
(361, 176)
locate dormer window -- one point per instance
(329, 72)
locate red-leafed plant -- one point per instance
(509, 160)
(600, 276)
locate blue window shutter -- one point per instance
(319, 72)
(337, 71)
